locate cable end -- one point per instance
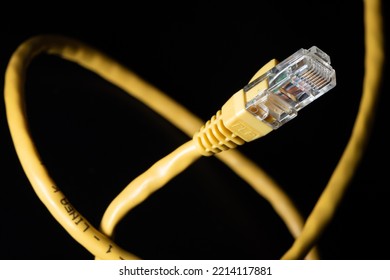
(273, 97)
(292, 84)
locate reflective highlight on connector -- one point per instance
(292, 84)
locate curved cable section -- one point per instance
(147, 183)
(336, 188)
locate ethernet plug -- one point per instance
(273, 97)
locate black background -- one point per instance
(94, 138)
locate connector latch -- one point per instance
(292, 84)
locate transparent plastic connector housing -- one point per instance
(292, 84)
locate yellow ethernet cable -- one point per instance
(91, 59)
(273, 97)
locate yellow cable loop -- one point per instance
(80, 229)
(326, 206)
